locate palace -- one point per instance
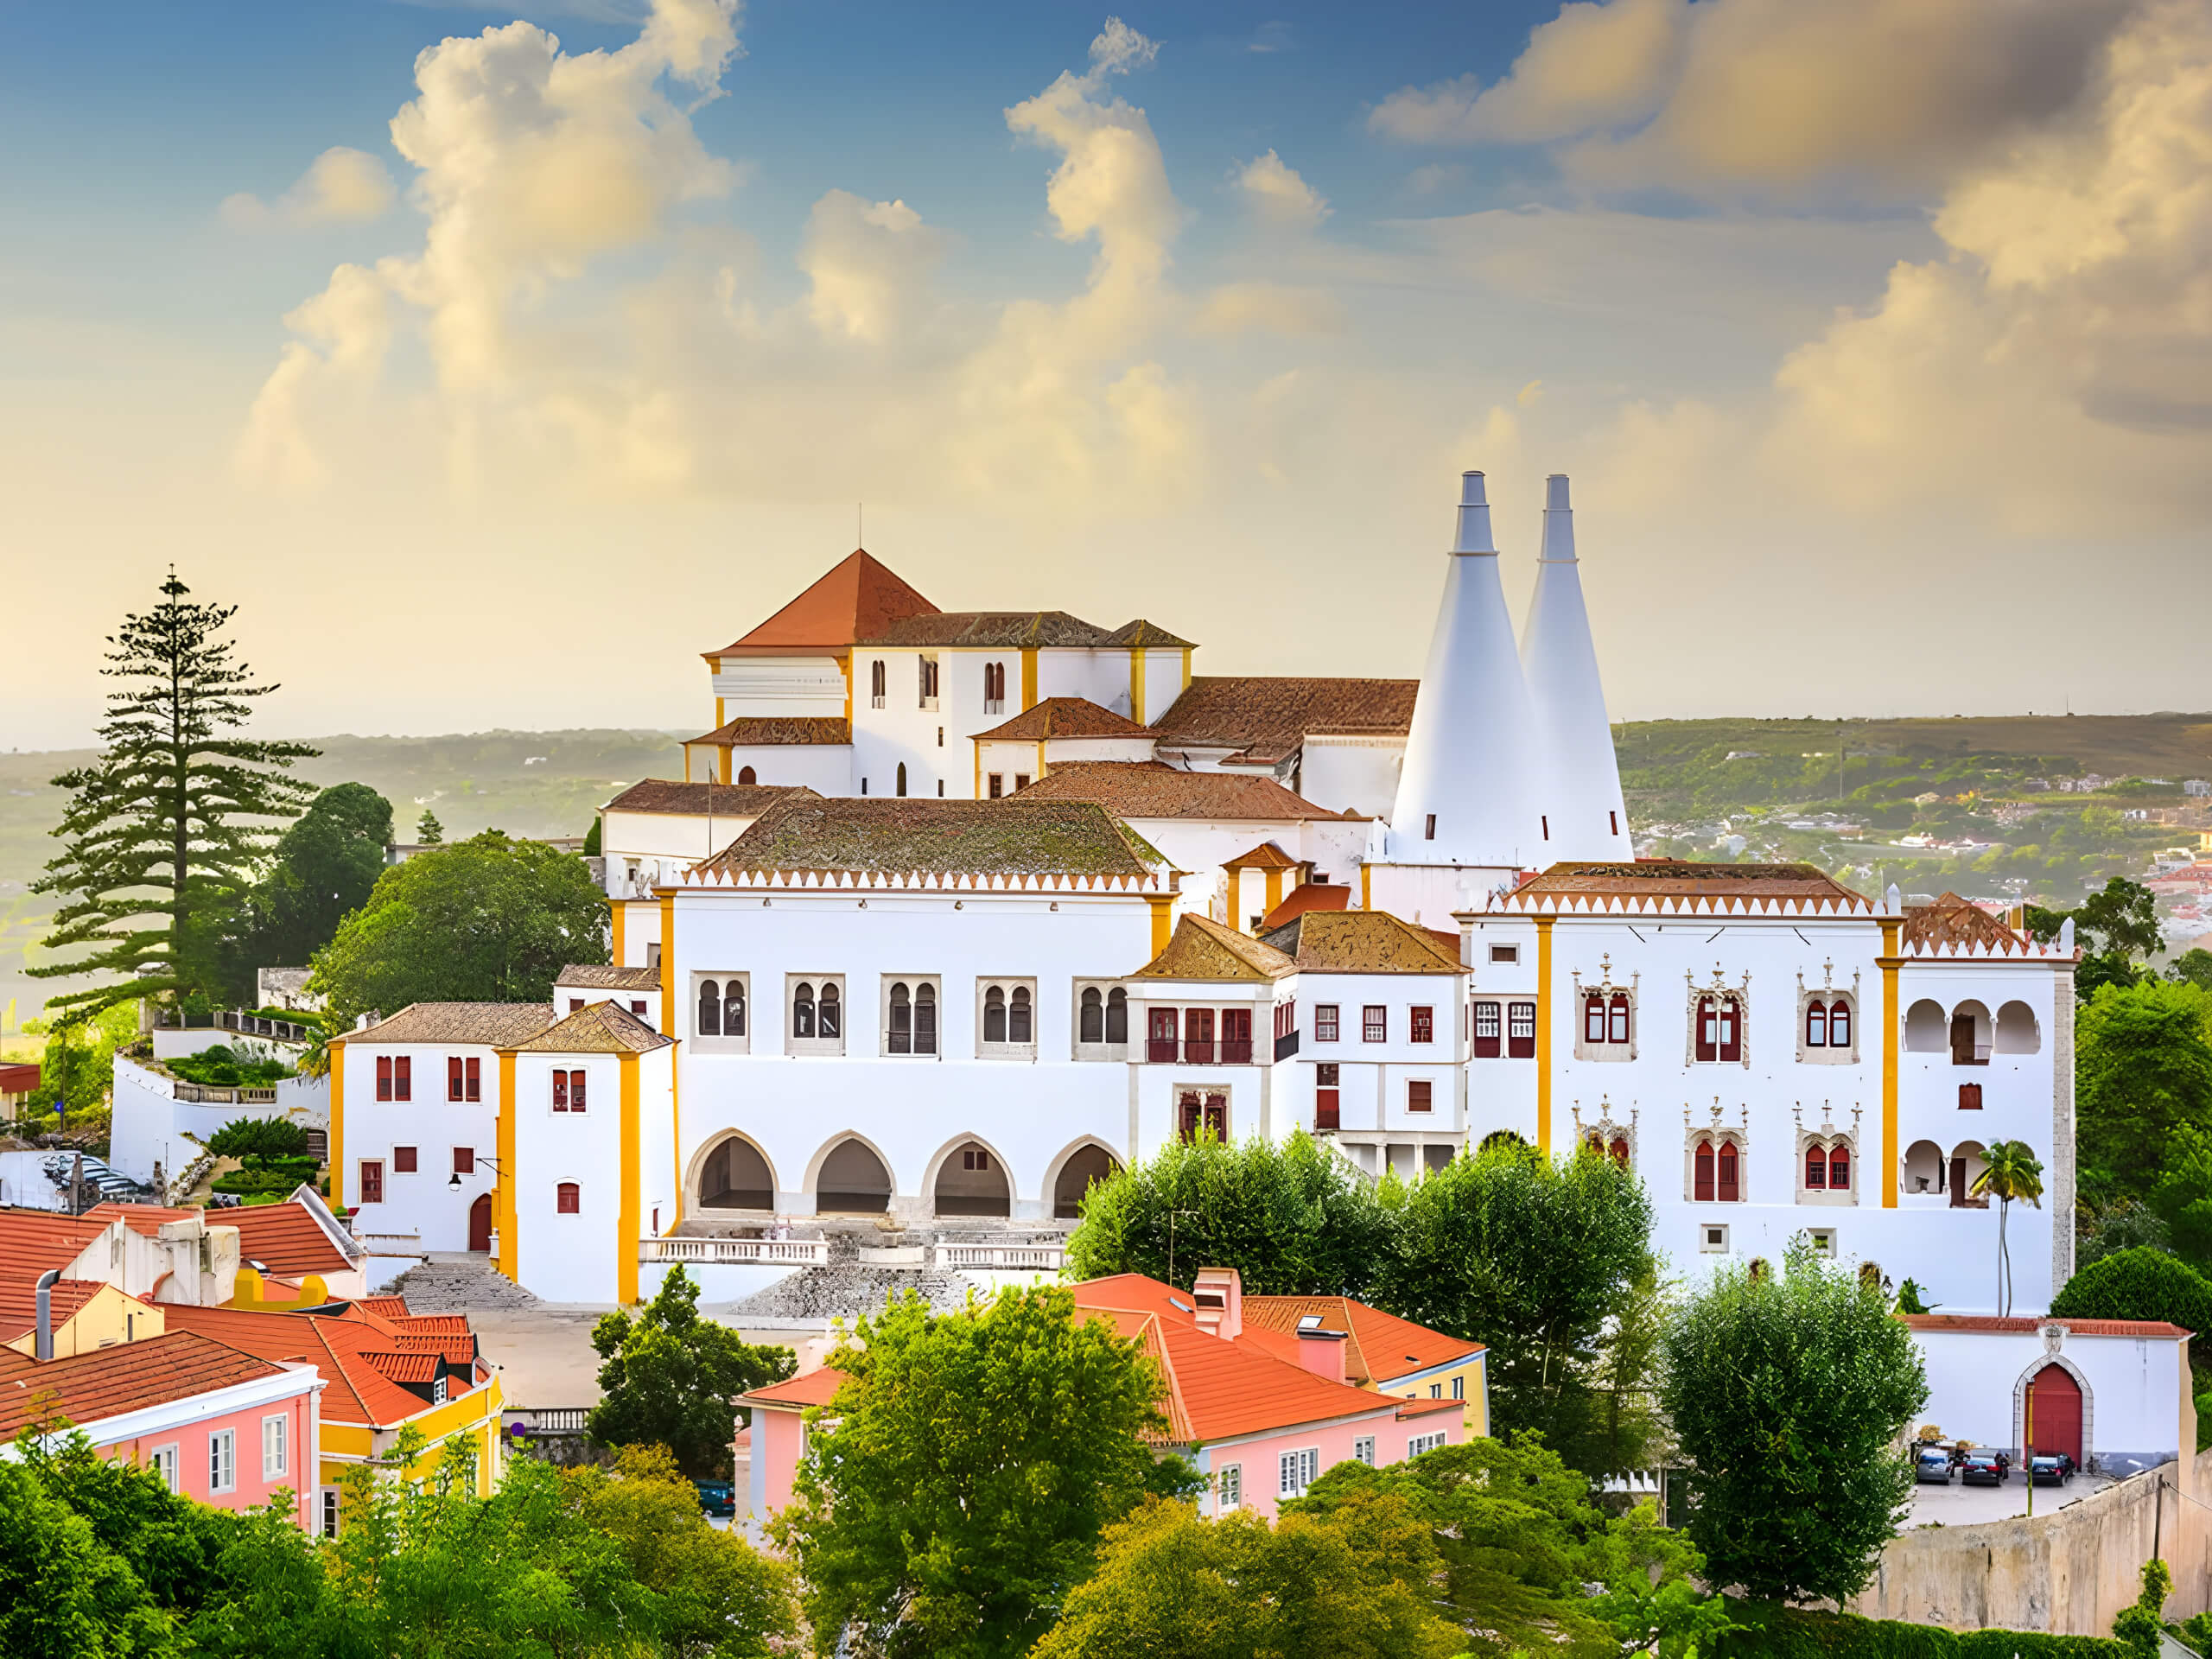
(954, 911)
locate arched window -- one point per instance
(925, 1018)
(1704, 1187)
(902, 777)
(1117, 1015)
(710, 1008)
(1839, 1170)
(1817, 1025)
(994, 1015)
(1816, 1169)
(2016, 1029)
(1708, 1030)
(1719, 1029)
(568, 1199)
(733, 1009)
(747, 775)
(803, 1010)
(1596, 1143)
(902, 1019)
(1020, 1027)
(1617, 1023)
(875, 683)
(1731, 1191)
(1593, 1017)
(1840, 1023)
(832, 1022)
(1619, 1150)
(1090, 1020)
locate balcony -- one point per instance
(760, 1252)
(1286, 1045)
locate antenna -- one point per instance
(860, 523)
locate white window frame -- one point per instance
(928, 671)
(1707, 1244)
(936, 983)
(438, 1390)
(1506, 955)
(721, 1044)
(1823, 1241)
(276, 1434)
(1828, 1053)
(1418, 1443)
(1025, 1053)
(1296, 1470)
(1230, 1488)
(831, 1047)
(1363, 1450)
(163, 1461)
(328, 1511)
(1100, 1051)
(223, 1460)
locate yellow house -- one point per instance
(1382, 1352)
(86, 1314)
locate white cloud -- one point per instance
(341, 186)
(1277, 308)
(1278, 196)
(866, 264)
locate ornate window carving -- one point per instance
(1604, 1026)
(1719, 1026)
(1716, 1158)
(1828, 1020)
(721, 1021)
(1828, 1160)
(1606, 1134)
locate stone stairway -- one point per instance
(459, 1284)
(846, 1291)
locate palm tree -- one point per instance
(2010, 1170)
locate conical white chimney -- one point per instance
(1464, 794)
(1581, 812)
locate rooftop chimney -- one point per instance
(1320, 1351)
(42, 1347)
(1220, 1293)
(1559, 520)
(1584, 815)
(1474, 517)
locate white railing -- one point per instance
(1010, 1258)
(760, 1252)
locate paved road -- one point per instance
(1963, 1506)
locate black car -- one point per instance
(2050, 1469)
(718, 1496)
(1984, 1469)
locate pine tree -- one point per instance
(428, 832)
(163, 831)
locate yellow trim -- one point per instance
(668, 962)
(338, 1124)
(1040, 757)
(1544, 1033)
(978, 795)
(846, 663)
(1367, 887)
(1889, 1064)
(504, 1205)
(668, 1029)
(1028, 680)
(721, 719)
(625, 1243)
(1137, 685)
(614, 932)
(1163, 920)
(725, 763)
(1186, 670)
(1274, 892)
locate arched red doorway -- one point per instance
(2056, 1412)
(480, 1222)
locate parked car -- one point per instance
(718, 1496)
(1984, 1469)
(1932, 1463)
(2050, 1469)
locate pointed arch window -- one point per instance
(1730, 1189)
(876, 672)
(1618, 1152)
(710, 1009)
(1840, 1024)
(1616, 1018)
(1817, 1168)
(1593, 1017)
(733, 1009)
(902, 779)
(994, 1015)
(803, 1010)
(1817, 1025)
(1090, 1018)
(747, 775)
(1703, 1185)
(1720, 1033)
(1117, 1016)
(1839, 1170)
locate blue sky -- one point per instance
(1841, 313)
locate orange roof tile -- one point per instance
(19, 1303)
(1269, 719)
(405, 1368)
(286, 1237)
(2023, 1325)
(815, 1387)
(1381, 1346)
(1063, 717)
(31, 1240)
(857, 598)
(1307, 895)
(340, 1347)
(145, 1219)
(389, 1306)
(1265, 857)
(1152, 789)
(1427, 1407)
(106, 1382)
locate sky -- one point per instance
(496, 362)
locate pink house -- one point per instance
(218, 1426)
(1261, 1413)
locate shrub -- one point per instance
(1772, 1631)
(259, 1137)
(2141, 1284)
(224, 1068)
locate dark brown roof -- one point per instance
(608, 977)
(780, 731)
(1202, 948)
(1152, 789)
(1363, 942)
(857, 598)
(1016, 630)
(1951, 921)
(595, 1028)
(89, 1388)
(1683, 877)
(696, 800)
(1270, 718)
(1063, 717)
(497, 1025)
(1141, 635)
(894, 836)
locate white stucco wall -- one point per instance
(2136, 1410)
(422, 1204)
(151, 1127)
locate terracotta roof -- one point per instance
(19, 1078)
(1306, 896)
(1683, 877)
(19, 1303)
(388, 1307)
(777, 731)
(1014, 630)
(1141, 635)
(1202, 948)
(1265, 857)
(130, 1377)
(1152, 789)
(144, 1220)
(1951, 921)
(608, 976)
(1271, 718)
(287, 1237)
(815, 1387)
(923, 836)
(1427, 1407)
(404, 1368)
(494, 1024)
(338, 1345)
(595, 1028)
(2021, 1325)
(1379, 1347)
(31, 1240)
(857, 598)
(1365, 942)
(1063, 717)
(696, 800)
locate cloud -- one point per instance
(342, 186)
(1773, 96)
(1278, 196)
(866, 264)
(1275, 306)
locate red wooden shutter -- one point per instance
(1704, 1187)
(372, 1181)
(383, 1077)
(1817, 1168)
(453, 1077)
(1817, 1025)
(1839, 1170)
(1418, 1096)
(464, 1161)
(1708, 1030)
(1593, 1018)
(1732, 1030)
(559, 1091)
(566, 1199)
(475, 1080)
(403, 1160)
(1617, 1029)
(402, 1078)
(576, 1091)
(1520, 1031)
(1730, 1191)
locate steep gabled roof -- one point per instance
(339, 1345)
(779, 731)
(1141, 635)
(595, 1028)
(697, 800)
(1365, 942)
(91, 1386)
(1269, 718)
(19, 1303)
(1265, 857)
(1202, 948)
(288, 1238)
(494, 1024)
(1063, 717)
(1011, 630)
(922, 836)
(1152, 789)
(857, 598)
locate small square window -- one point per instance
(330, 1511)
(638, 1007)
(1325, 1022)
(464, 1161)
(566, 1199)
(1505, 953)
(1419, 1094)
(997, 786)
(1423, 1024)
(1712, 1239)
(1375, 1023)
(1020, 782)
(1823, 1241)
(403, 1160)
(1363, 1450)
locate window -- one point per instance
(1969, 1097)
(568, 1199)
(1102, 1022)
(1325, 1022)
(637, 1007)
(453, 1081)
(818, 1016)
(1436, 1390)
(1298, 1470)
(437, 1390)
(1197, 1036)
(1817, 1168)
(1008, 1018)
(902, 779)
(1488, 1031)
(1613, 822)
(1730, 1192)
(1374, 1023)
(1419, 1094)
(993, 688)
(997, 786)
(1020, 782)
(273, 1433)
(464, 1161)
(875, 675)
(1419, 1443)
(223, 1460)
(974, 1158)
(1593, 1018)
(330, 1511)
(403, 1160)
(1505, 953)
(1159, 1035)
(1327, 1098)
(1196, 1110)
(1616, 1018)
(1091, 1017)
(1232, 1486)
(1839, 1023)
(1428, 828)
(1719, 1036)
(1459, 1387)
(371, 1180)
(1363, 1450)
(1817, 1025)
(748, 776)
(1711, 1240)
(568, 1090)
(1839, 1170)
(1236, 1036)
(163, 1463)
(1823, 1241)
(1424, 1025)
(910, 1017)
(721, 1014)
(1618, 1152)
(1702, 1189)
(575, 1005)
(927, 678)
(403, 1075)
(1520, 1031)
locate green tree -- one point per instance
(1288, 1215)
(2123, 920)
(484, 920)
(953, 1493)
(163, 831)
(2143, 1070)
(2181, 1201)
(77, 1065)
(1787, 1396)
(428, 832)
(1351, 1583)
(64, 1594)
(2010, 1170)
(2142, 1623)
(2192, 967)
(591, 838)
(2141, 1284)
(1532, 1257)
(671, 1379)
(326, 865)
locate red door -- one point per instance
(2057, 1408)
(480, 1222)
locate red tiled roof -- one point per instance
(1427, 1407)
(286, 1237)
(1683, 878)
(405, 1368)
(1269, 719)
(144, 1220)
(106, 1382)
(390, 1307)
(340, 1346)
(1366, 942)
(1063, 717)
(19, 1302)
(1379, 1347)
(859, 598)
(1265, 857)
(31, 1240)
(1152, 789)
(2021, 1325)
(1307, 895)
(815, 1387)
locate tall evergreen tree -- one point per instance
(162, 830)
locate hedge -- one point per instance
(1773, 1632)
(2141, 1284)
(263, 1137)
